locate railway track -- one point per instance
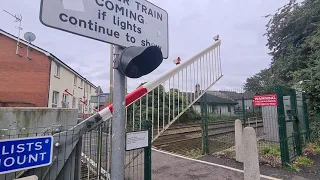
(197, 128)
(192, 132)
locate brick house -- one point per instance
(40, 80)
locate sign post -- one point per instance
(25, 153)
(118, 124)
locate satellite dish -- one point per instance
(29, 36)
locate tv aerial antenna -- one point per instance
(29, 36)
(18, 19)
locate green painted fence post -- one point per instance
(306, 116)
(282, 127)
(147, 151)
(244, 112)
(206, 127)
(293, 102)
(204, 124)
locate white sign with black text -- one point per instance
(135, 140)
(120, 22)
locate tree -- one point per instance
(149, 108)
(293, 35)
(287, 32)
(260, 83)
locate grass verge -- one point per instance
(194, 153)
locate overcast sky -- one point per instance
(192, 24)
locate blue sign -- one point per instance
(25, 153)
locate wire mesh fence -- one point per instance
(77, 152)
(282, 129)
(95, 152)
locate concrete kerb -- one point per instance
(212, 164)
(238, 140)
(28, 178)
(251, 159)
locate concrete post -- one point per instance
(238, 140)
(251, 161)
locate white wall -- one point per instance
(66, 81)
(224, 110)
(248, 103)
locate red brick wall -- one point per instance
(22, 81)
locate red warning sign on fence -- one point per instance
(265, 100)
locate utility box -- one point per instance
(270, 123)
(270, 120)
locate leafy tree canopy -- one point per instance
(293, 35)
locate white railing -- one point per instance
(171, 95)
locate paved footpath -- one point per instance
(167, 166)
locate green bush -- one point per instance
(315, 130)
(254, 114)
(304, 161)
(216, 117)
(273, 150)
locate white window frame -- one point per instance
(75, 80)
(74, 105)
(55, 98)
(64, 102)
(81, 83)
(57, 71)
(80, 106)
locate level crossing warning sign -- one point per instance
(265, 100)
(120, 22)
(25, 153)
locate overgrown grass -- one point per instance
(313, 148)
(273, 150)
(292, 167)
(217, 117)
(315, 130)
(194, 153)
(304, 161)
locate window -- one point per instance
(57, 71)
(80, 106)
(64, 102)
(74, 102)
(229, 108)
(81, 83)
(55, 98)
(75, 81)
